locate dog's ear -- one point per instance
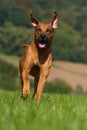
(54, 22)
(34, 21)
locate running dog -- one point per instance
(37, 57)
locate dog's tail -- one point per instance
(24, 44)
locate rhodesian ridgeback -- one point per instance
(37, 58)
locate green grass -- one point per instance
(54, 112)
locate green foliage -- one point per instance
(65, 41)
(14, 15)
(3, 14)
(8, 76)
(54, 112)
(69, 45)
(11, 37)
(79, 89)
(71, 12)
(84, 30)
(80, 51)
(58, 86)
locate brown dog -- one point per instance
(37, 57)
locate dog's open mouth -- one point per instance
(42, 45)
(42, 41)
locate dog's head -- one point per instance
(44, 31)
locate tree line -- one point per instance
(70, 41)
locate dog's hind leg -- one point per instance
(36, 80)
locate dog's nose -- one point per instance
(42, 36)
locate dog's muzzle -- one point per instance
(43, 41)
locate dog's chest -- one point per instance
(36, 60)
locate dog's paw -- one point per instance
(24, 96)
(25, 93)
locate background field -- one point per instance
(73, 74)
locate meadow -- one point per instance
(54, 112)
(60, 108)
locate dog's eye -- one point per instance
(38, 30)
(48, 30)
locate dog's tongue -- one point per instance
(42, 45)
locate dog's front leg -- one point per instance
(26, 83)
(41, 83)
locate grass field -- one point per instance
(54, 112)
